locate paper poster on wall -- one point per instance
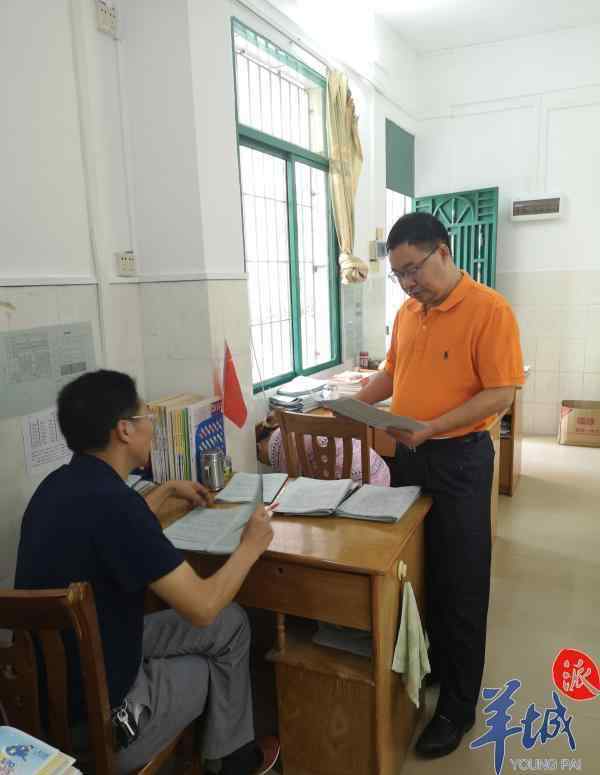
(45, 446)
(35, 364)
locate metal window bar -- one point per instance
(292, 120)
(264, 204)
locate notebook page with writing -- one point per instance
(316, 497)
(272, 484)
(241, 488)
(379, 504)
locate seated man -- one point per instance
(85, 524)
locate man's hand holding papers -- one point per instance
(412, 439)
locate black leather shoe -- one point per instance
(440, 737)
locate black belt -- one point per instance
(469, 438)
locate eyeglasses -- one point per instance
(151, 417)
(401, 275)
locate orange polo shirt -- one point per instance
(443, 358)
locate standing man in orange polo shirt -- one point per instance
(454, 363)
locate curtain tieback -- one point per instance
(352, 269)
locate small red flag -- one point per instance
(234, 406)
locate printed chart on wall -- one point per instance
(36, 363)
(45, 446)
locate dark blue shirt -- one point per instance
(84, 523)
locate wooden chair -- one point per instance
(294, 428)
(45, 614)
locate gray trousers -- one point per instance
(187, 672)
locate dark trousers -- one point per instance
(457, 473)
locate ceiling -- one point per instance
(434, 25)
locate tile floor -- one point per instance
(545, 597)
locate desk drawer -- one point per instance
(301, 590)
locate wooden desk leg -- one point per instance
(280, 632)
(395, 715)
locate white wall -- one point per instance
(64, 204)
(525, 116)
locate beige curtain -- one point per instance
(345, 164)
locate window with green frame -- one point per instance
(288, 231)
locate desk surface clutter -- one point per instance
(355, 545)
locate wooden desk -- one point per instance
(338, 714)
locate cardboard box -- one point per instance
(580, 423)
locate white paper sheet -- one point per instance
(45, 446)
(243, 488)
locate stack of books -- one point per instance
(22, 754)
(186, 425)
(302, 394)
(349, 383)
(302, 386)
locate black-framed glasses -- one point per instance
(401, 275)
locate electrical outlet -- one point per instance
(126, 266)
(106, 17)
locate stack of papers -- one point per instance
(301, 386)
(22, 754)
(349, 639)
(314, 497)
(243, 488)
(379, 504)
(348, 383)
(300, 404)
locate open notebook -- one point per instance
(243, 488)
(314, 497)
(217, 531)
(345, 498)
(379, 504)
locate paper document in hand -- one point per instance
(314, 497)
(379, 504)
(210, 530)
(376, 418)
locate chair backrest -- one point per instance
(296, 427)
(44, 615)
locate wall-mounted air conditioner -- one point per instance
(537, 208)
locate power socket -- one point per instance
(126, 264)
(106, 17)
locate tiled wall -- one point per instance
(559, 319)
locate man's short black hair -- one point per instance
(90, 407)
(419, 229)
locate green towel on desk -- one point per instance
(410, 655)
